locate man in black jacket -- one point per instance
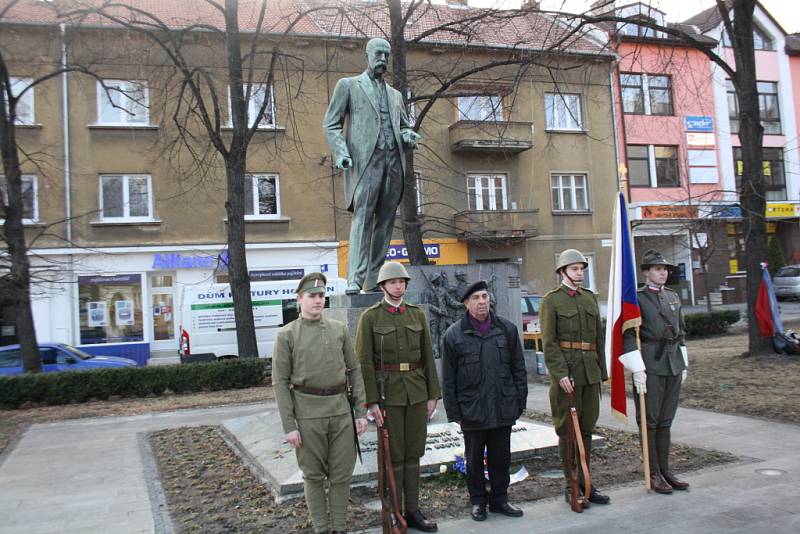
(485, 390)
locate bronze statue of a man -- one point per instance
(371, 153)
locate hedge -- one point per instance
(710, 324)
(81, 386)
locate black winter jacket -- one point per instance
(485, 384)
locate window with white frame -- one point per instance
(646, 162)
(24, 108)
(258, 93)
(563, 111)
(480, 108)
(123, 102)
(126, 197)
(486, 192)
(569, 192)
(262, 196)
(588, 273)
(30, 200)
(646, 94)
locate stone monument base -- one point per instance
(259, 441)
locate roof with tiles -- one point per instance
(430, 24)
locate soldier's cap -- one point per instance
(653, 257)
(312, 283)
(435, 276)
(480, 285)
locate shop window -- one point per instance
(110, 309)
(772, 170)
(569, 192)
(480, 108)
(126, 198)
(30, 200)
(24, 108)
(262, 196)
(258, 93)
(121, 102)
(486, 192)
(563, 111)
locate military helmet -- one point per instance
(391, 270)
(653, 257)
(570, 256)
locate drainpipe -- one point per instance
(67, 176)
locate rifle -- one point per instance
(352, 401)
(391, 516)
(573, 438)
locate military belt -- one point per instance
(659, 340)
(403, 367)
(577, 345)
(322, 392)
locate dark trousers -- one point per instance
(661, 400)
(497, 442)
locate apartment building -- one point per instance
(517, 163)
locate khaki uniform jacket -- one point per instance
(314, 354)
(405, 338)
(575, 319)
(662, 332)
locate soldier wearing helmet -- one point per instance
(572, 334)
(393, 341)
(665, 361)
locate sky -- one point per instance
(786, 12)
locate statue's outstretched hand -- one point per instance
(344, 162)
(411, 138)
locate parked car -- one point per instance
(529, 305)
(58, 357)
(787, 282)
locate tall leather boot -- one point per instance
(657, 482)
(664, 443)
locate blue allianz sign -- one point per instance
(699, 123)
(178, 261)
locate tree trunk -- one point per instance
(751, 132)
(19, 276)
(412, 225)
(235, 169)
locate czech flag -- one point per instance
(767, 317)
(623, 310)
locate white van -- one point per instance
(208, 326)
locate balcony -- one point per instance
(513, 225)
(491, 136)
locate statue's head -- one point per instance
(378, 51)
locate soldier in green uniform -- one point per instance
(393, 340)
(665, 359)
(312, 357)
(572, 334)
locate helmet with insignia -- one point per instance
(570, 256)
(653, 257)
(312, 283)
(391, 270)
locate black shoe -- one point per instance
(674, 482)
(595, 497)
(478, 512)
(418, 521)
(568, 498)
(506, 509)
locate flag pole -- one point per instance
(643, 427)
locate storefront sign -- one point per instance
(400, 252)
(276, 274)
(782, 210)
(669, 212)
(699, 123)
(725, 212)
(169, 262)
(109, 280)
(700, 139)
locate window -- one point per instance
(486, 192)
(122, 102)
(638, 166)
(110, 308)
(633, 29)
(657, 88)
(24, 109)
(126, 197)
(772, 171)
(480, 108)
(767, 106)
(563, 111)
(262, 196)
(760, 39)
(10, 358)
(30, 203)
(569, 192)
(667, 166)
(257, 95)
(648, 161)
